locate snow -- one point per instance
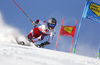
(14, 54)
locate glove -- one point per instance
(45, 43)
(35, 23)
(42, 44)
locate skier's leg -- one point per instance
(30, 35)
(41, 37)
(35, 35)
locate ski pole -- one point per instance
(22, 11)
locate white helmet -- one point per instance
(52, 22)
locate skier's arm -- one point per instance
(44, 43)
(51, 37)
(49, 41)
(38, 22)
(42, 22)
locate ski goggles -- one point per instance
(52, 25)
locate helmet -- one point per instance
(52, 22)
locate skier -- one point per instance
(46, 29)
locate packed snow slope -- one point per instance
(14, 54)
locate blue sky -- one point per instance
(89, 35)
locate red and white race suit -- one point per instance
(38, 33)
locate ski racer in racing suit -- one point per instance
(46, 29)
